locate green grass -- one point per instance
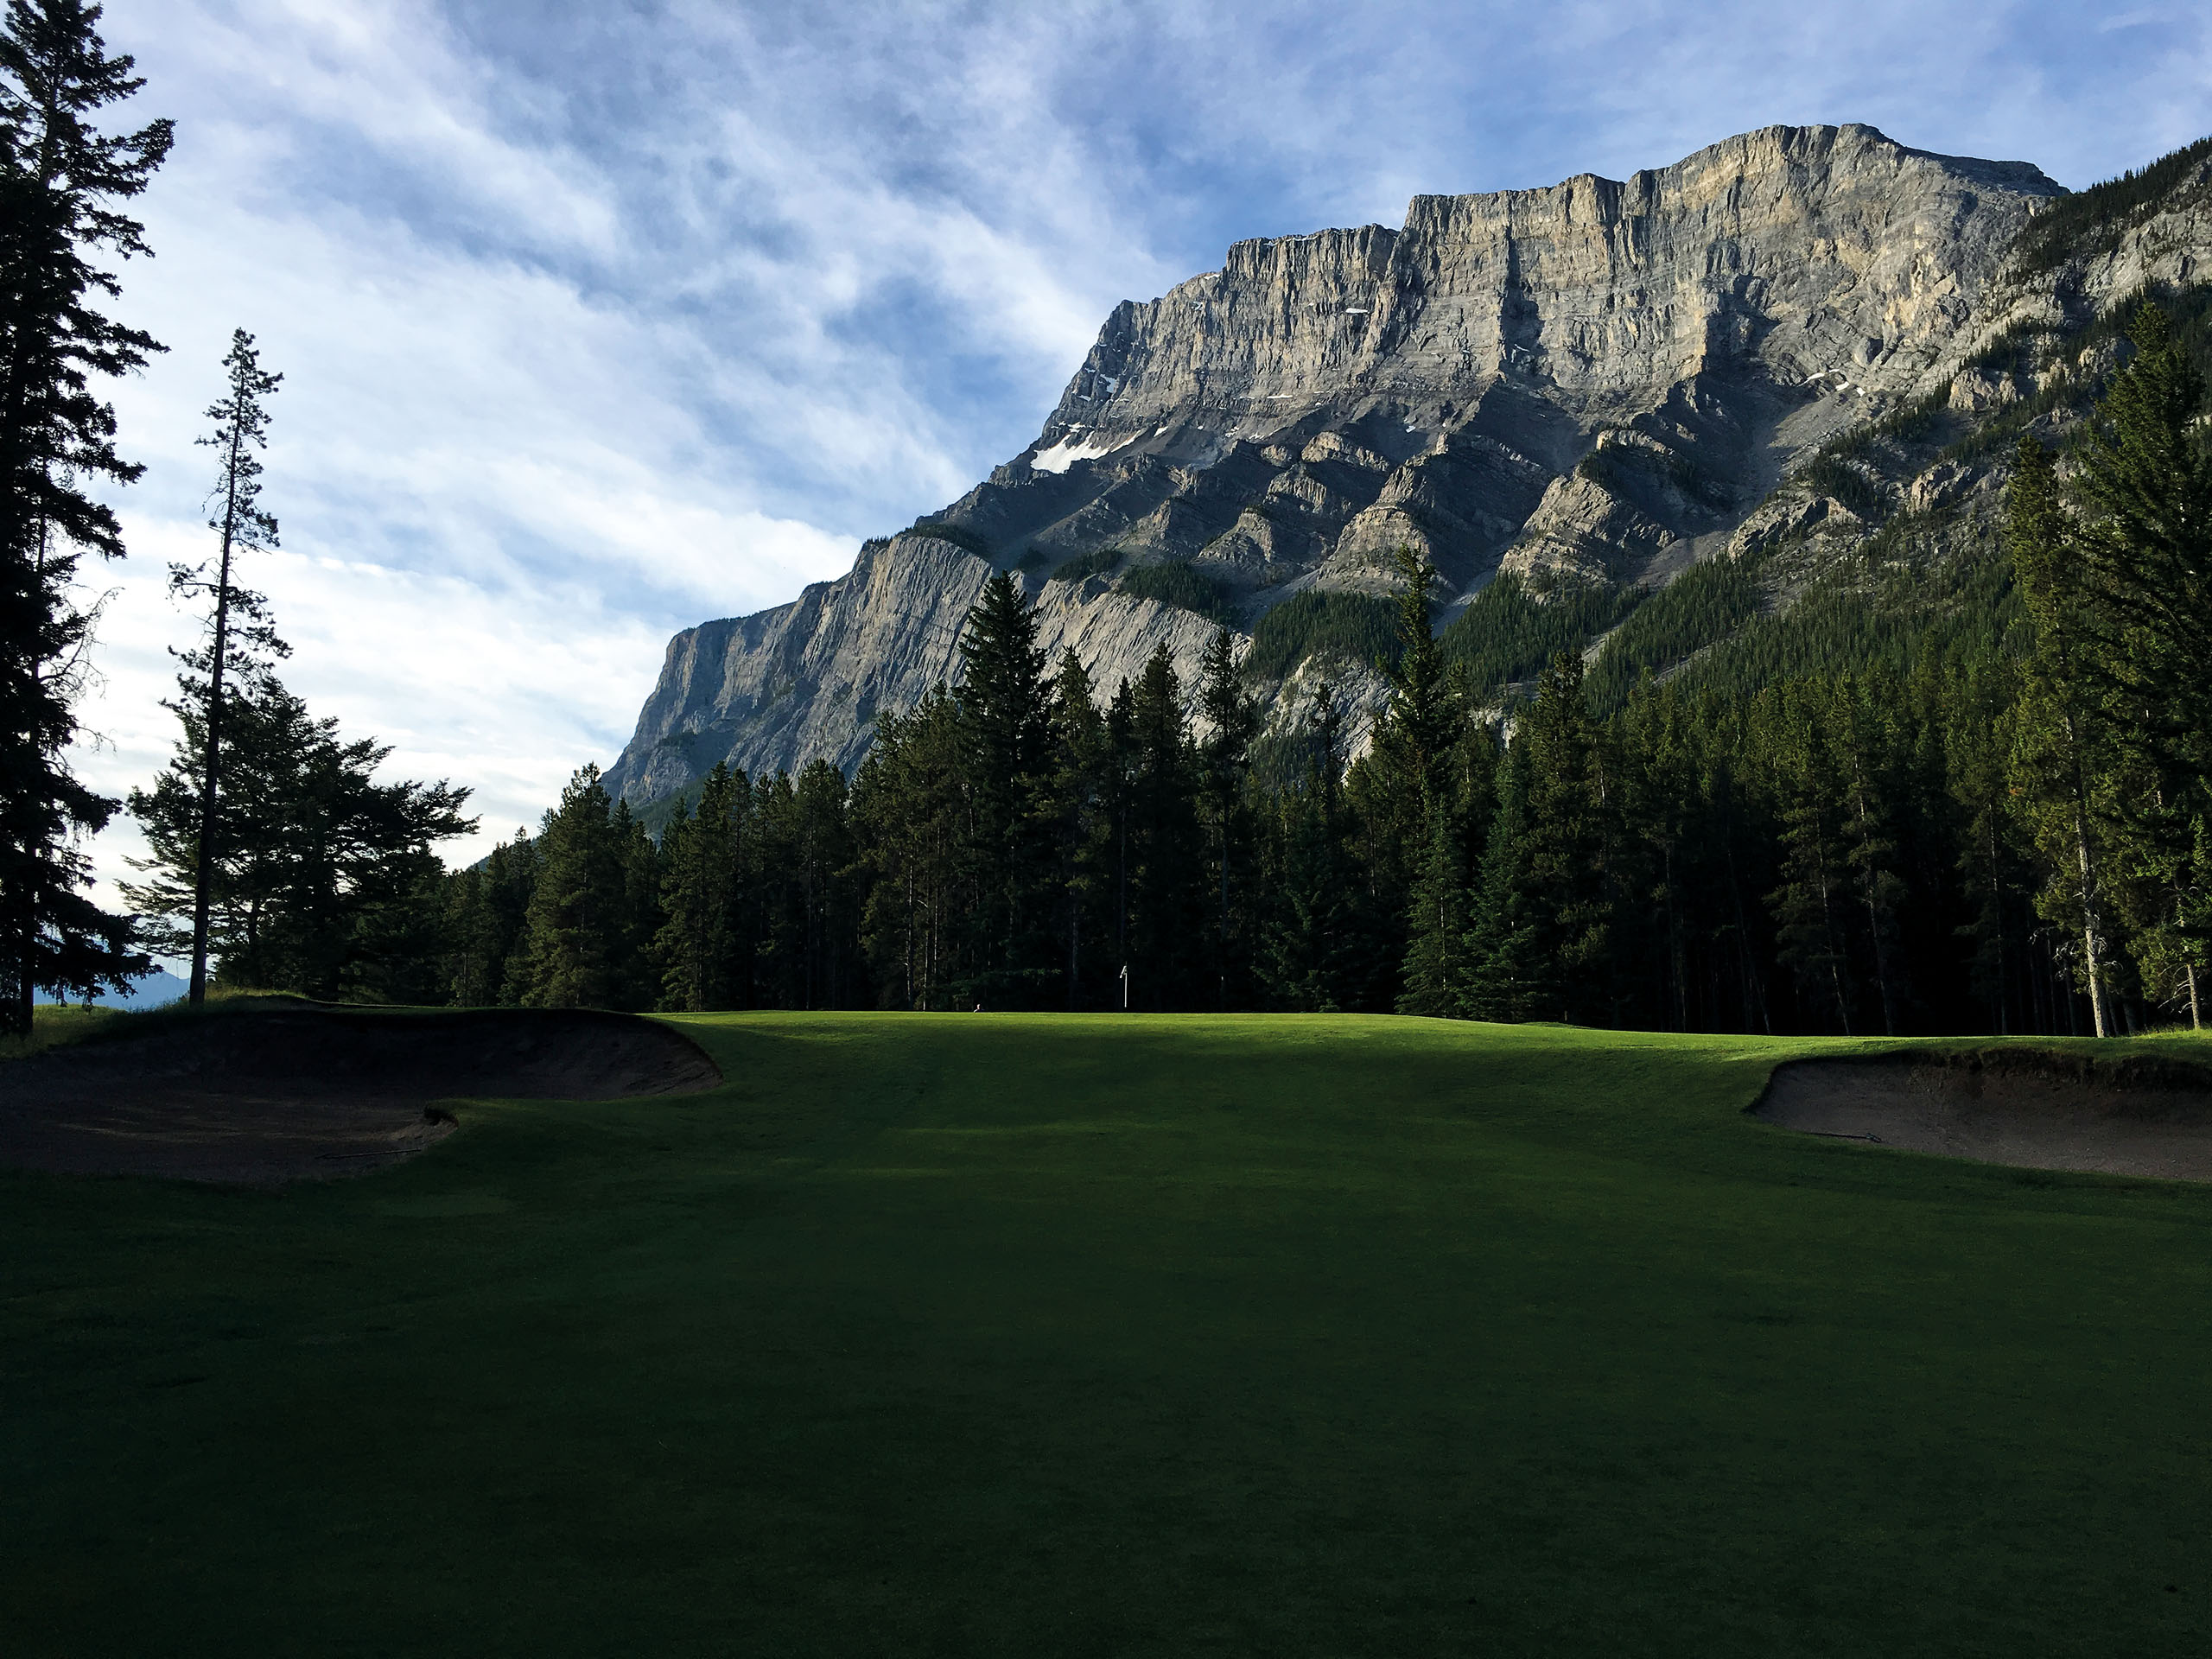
(53, 1024)
(1118, 1336)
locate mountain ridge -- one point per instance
(1597, 382)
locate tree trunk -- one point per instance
(203, 875)
(2091, 968)
(1997, 911)
(1224, 907)
(20, 994)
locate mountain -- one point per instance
(158, 989)
(1752, 363)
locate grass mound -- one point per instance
(1118, 1336)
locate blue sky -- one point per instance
(598, 321)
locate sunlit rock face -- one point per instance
(1598, 381)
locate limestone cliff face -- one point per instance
(1598, 381)
(805, 680)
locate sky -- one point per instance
(598, 321)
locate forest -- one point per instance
(2006, 834)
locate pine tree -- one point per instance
(1005, 717)
(1568, 867)
(826, 858)
(2142, 491)
(241, 428)
(1167, 858)
(636, 978)
(1318, 952)
(1660, 783)
(487, 909)
(323, 880)
(1122, 764)
(1439, 978)
(1869, 848)
(1394, 787)
(574, 951)
(704, 944)
(909, 811)
(1810, 907)
(1512, 975)
(1224, 757)
(1991, 862)
(2063, 761)
(62, 184)
(1080, 815)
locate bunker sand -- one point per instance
(2141, 1116)
(315, 1094)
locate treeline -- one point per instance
(1829, 856)
(1982, 842)
(1988, 843)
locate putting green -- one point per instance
(1030, 1335)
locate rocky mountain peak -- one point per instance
(1599, 382)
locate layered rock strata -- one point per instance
(1601, 381)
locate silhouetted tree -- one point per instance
(62, 184)
(324, 880)
(237, 616)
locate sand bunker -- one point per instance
(2139, 1116)
(315, 1093)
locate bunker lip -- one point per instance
(2033, 1109)
(316, 1093)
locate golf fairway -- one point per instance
(1027, 1334)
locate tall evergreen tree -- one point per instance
(2063, 760)
(323, 880)
(1224, 758)
(704, 944)
(909, 811)
(487, 909)
(1990, 860)
(1812, 905)
(1569, 869)
(1511, 977)
(2142, 491)
(1869, 846)
(1396, 785)
(1081, 818)
(241, 524)
(1438, 977)
(810, 944)
(1005, 717)
(62, 182)
(1314, 938)
(1166, 857)
(574, 951)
